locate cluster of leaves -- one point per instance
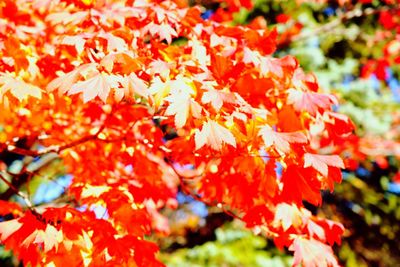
(103, 85)
(347, 46)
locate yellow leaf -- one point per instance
(214, 135)
(280, 141)
(94, 191)
(7, 228)
(99, 85)
(321, 162)
(180, 100)
(18, 88)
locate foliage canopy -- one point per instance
(136, 100)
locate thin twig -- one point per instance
(195, 196)
(17, 192)
(53, 149)
(356, 13)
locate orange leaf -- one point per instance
(9, 207)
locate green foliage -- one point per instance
(234, 247)
(6, 258)
(371, 217)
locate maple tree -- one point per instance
(139, 99)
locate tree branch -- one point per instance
(16, 191)
(51, 149)
(355, 13)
